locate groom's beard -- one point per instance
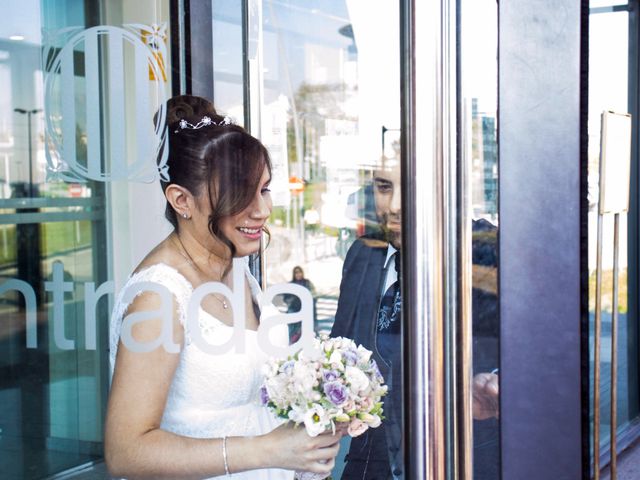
(392, 229)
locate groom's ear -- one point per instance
(180, 199)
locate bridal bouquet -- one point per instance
(337, 382)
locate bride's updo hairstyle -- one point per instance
(207, 150)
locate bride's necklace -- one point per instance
(183, 251)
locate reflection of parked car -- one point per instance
(361, 209)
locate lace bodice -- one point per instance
(211, 396)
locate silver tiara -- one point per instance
(205, 122)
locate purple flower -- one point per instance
(350, 357)
(335, 392)
(329, 375)
(264, 395)
(287, 367)
(376, 371)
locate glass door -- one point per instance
(478, 103)
(331, 116)
(52, 388)
(65, 200)
(613, 87)
(325, 100)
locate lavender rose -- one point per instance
(376, 371)
(329, 375)
(350, 357)
(264, 395)
(335, 392)
(287, 367)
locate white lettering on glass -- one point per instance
(235, 297)
(305, 315)
(164, 313)
(114, 138)
(31, 307)
(91, 298)
(58, 287)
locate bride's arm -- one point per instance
(136, 447)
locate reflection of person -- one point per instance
(369, 312)
(486, 429)
(363, 314)
(190, 414)
(294, 304)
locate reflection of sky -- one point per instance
(295, 30)
(301, 39)
(289, 29)
(606, 3)
(25, 17)
(608, 65)
(608, 83)
(21, 18)
(479, 34)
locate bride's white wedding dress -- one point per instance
(211, 396)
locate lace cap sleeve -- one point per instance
(161, 274)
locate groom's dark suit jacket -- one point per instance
(378, 452)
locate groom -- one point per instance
(369, 312)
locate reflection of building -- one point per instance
(485, 163)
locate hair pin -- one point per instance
(205, 122)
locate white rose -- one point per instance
(357, 379)
(315, 354)
(364, 355)
(277, 388)
(296, 414)
(304, 377)
(336, 360)
(270, 368)
(328, 344)
(349, 344)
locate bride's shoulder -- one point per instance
(160, 270)
(161, 261)
(149, 284)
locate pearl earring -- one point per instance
(185, 216)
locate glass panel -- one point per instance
(479, 75)
(56, 234)
(606, 3)
(331, 120)
(608, 90)
(228, 77)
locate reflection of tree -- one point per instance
(317, 106)
(326, 101)
(607, 291)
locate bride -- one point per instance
(187, 413)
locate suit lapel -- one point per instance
(359, 292)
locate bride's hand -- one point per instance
(292, 448)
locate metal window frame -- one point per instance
(627, 433)
(633, 226)
(191, 27)
(436, 232)
(542, 172)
